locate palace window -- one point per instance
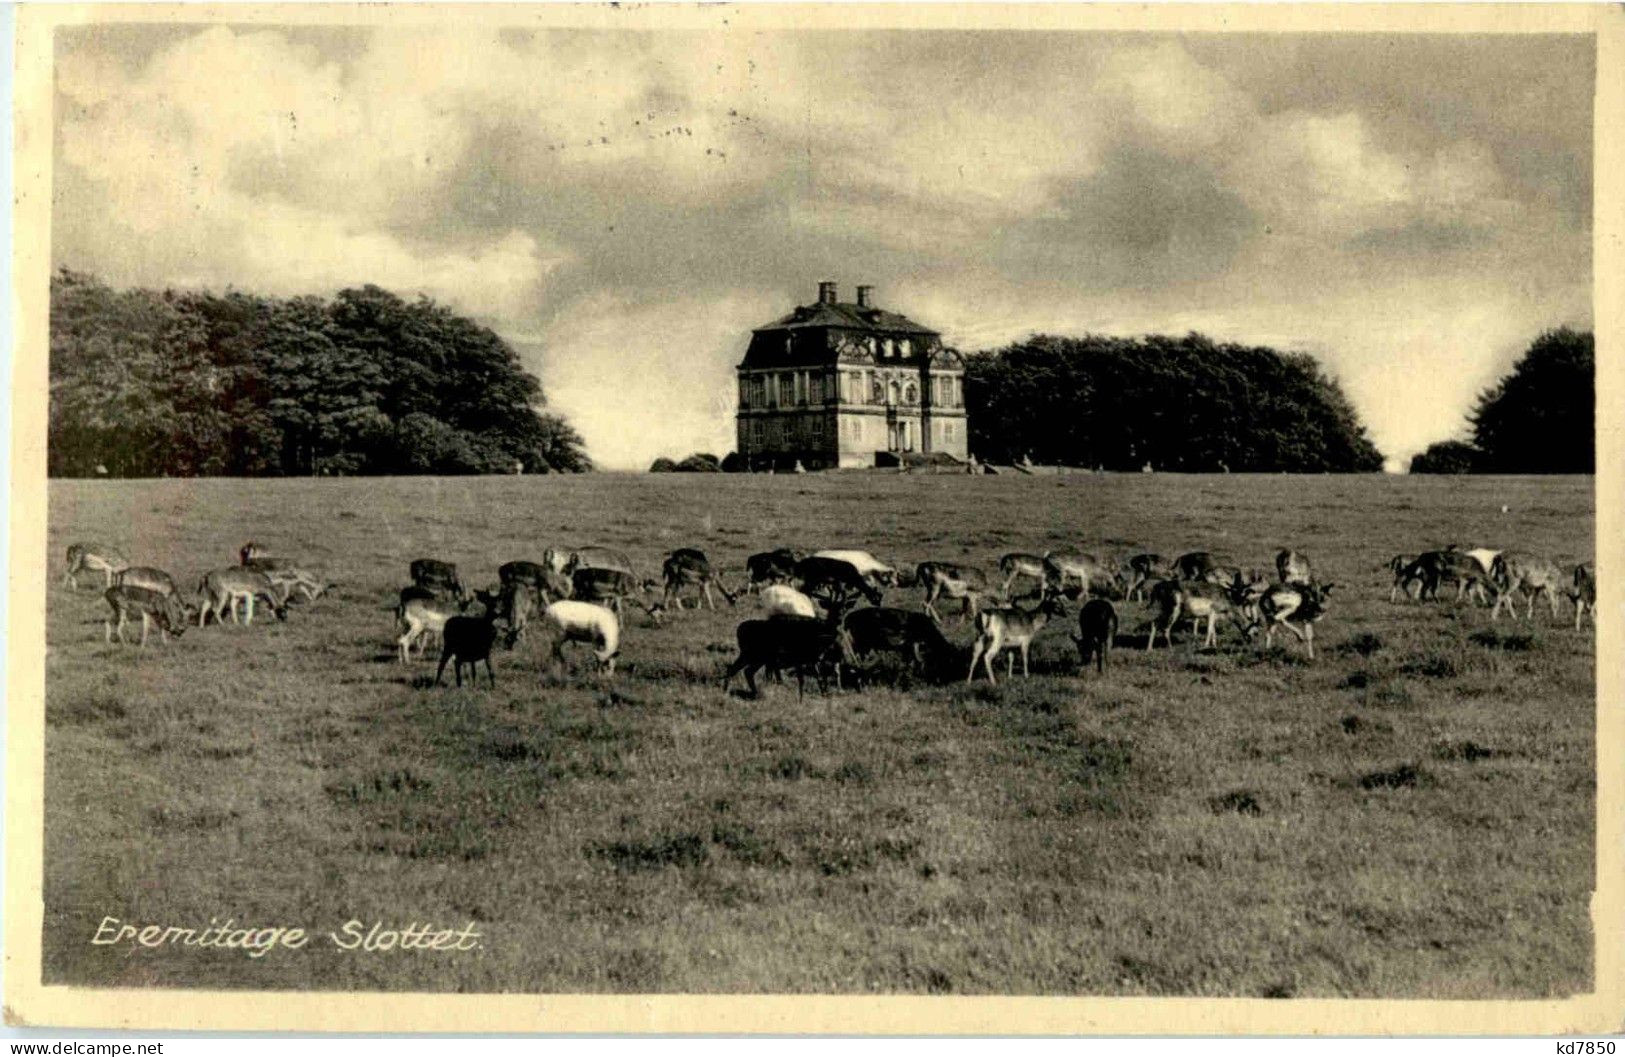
(910, 396)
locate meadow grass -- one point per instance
(1409, 815)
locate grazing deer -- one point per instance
(94, 557)
(1142, 570)
(512, 603)
(963, 583)
(835, 581)
(771, 567)
(1091, 573)
(1584, 593)
(1010, 628)
(1513, 571)
(1015, 566)
(1284, 601)
(801, 644)
(688, 567)
(1194, 600)
(1292, 567)
(153, 607)
(912, 636)
(1097, 629)
(223, 589)
(571, 621)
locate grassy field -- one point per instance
(1410, 815)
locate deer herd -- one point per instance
(812, 623)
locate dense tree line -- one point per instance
(1539, 418)
(1185, 404)
(147, 383)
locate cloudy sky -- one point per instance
(624, 206)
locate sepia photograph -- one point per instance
(810, 501)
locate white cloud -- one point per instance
(489, 171)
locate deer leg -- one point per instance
(441, 670)
(144, 621)
(405, 644)
(975, 655)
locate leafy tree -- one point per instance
(1540, 418)
(663, 465)
(1176, 403)
(198, 383)
(1447, 456)
(733, 462)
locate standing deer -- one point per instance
(1514, 571)
(1097, 629)
(1584, 593)
(1010, 628)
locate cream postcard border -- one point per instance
(27, 1002)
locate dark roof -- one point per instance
(847, 316)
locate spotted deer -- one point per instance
(1193, 600)
(223, 589)
(1513, 572)
(1010, 628)
(128, 601)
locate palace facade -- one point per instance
(847, 384)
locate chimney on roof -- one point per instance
(863, 296)
(826, 293)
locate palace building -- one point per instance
(845, 384)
